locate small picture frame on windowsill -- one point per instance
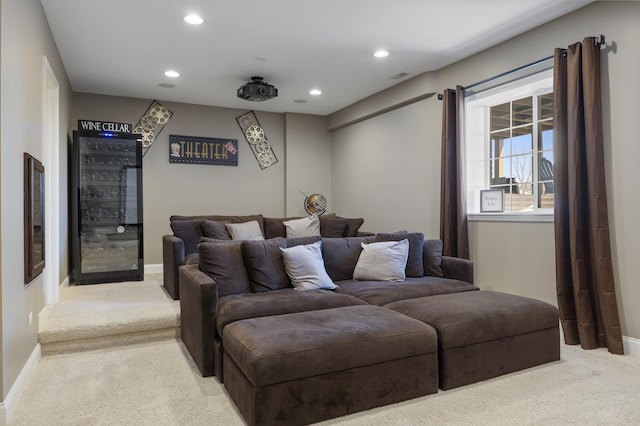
(492, 201)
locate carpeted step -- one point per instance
(103, 315)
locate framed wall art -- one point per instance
(33, 218)
(492, 201)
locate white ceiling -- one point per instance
(123, 47)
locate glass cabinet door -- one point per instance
(109, 217)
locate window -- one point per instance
(509, 145)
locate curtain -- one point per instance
(584, 272)
(453, 216)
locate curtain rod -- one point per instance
(600, 41)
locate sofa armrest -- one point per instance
(198, 309)
(172, 259)
(457, 268)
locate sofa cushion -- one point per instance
(237, 307)
(382, 261)
(380, 293)
(433, 258)
(341, 255)
(263, 261)
(189, 232)
(245, 230)
(305, 227)
(305, 267)
(292, 242)
(332, 226)
(415, 261)
(224, 263)
(283, 348)
(215, 229)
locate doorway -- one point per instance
(51, 152)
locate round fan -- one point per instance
(315, 203)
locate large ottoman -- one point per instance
(305, 367)
(484, 334)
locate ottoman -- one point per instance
(484, 334)
(305, 367)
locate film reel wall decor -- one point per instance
(255, 136)
(151, 124)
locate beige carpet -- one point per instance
(102, 315)
(132, 370)
(156, 383)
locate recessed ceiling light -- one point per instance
(315, 92)
(167, 85)
(193, 19)
(381, 53)
(172, 73)
(300, 101)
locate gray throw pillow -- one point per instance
(305, 227)
(305, 267)
(223, 262)
(263, 261)
(245, 230)
(415, 263)
(382, 261)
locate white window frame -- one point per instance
(477, 144)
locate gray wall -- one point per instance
(510, 257)
(25, 38)
(187, 189)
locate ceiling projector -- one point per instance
(257, 90)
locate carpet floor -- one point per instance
(94, 373)
(156, 383)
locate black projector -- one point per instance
(257, 90)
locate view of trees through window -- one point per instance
(521, 152)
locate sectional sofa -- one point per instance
(299, 355)
(181, 247)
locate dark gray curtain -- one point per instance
(453, 215)
(584, 272)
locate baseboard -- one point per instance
(631, 346)
(9, 404)
(155, 268)
(65, 282)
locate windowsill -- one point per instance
(510, 217)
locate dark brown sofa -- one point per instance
(239, 292)
(181, 248)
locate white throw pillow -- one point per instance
(305, 267)
(383, 261)
(245, 231)
(305, 227)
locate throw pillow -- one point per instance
(353, 226)
(223, 262)
(215, 229)
(263, 261)
(305, 267)
(341, 255)
(305, 227)
(415, 264)
(332, 226)
(433, 258)
(301, 241)
(383, 261)
(189, 232)
(245, 231)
